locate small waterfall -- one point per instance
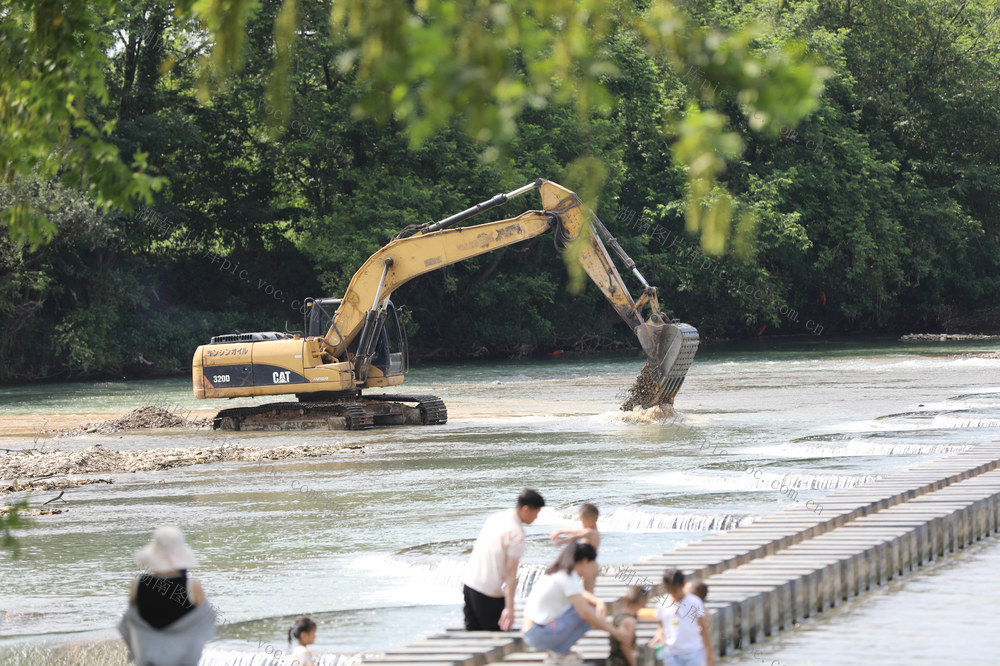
(269, 655)
(445, 574)
(865, 447)
(800, 481)
(442, 570)
(966, 420)
(637, 519)
(753, 477)
(229, 657)
(527, 574)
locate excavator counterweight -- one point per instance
(364, 345)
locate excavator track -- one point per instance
(360, 414)
(295, 416)
(432, 408)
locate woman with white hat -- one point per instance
(166, 594)
(168, 621)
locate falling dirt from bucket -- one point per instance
(645, 390)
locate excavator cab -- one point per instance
(390, 357)
(391, 353)
(319, 315)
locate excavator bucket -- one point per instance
(670, 349)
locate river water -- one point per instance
(371, 544)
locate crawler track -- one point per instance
(361, 414)
(432, 408)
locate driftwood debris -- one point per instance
(57, 497)
(54, 484)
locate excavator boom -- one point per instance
(668, 347)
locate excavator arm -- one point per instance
(357, 322)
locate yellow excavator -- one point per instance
(358, 342)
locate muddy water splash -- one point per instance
(661, 414)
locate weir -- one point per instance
(798, 563)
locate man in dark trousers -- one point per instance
(490, 578)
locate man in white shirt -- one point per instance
(490, 578)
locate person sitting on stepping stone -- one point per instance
(559, 611)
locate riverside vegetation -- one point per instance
(878, 212)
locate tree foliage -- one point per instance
(54, 55)
(876, 212)
(427, 64)
(487, 62)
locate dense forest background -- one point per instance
(878, 213)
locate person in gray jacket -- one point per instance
(168, 621)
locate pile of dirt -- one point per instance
(32, 464)
(143, 417)
(644, 392)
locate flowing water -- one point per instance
(371, 544)
(946, 614)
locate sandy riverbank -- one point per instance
(27, 428)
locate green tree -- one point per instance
(487, 63)
(54, 54)
(431, 62)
